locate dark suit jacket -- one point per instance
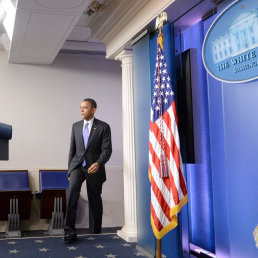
(99, 147)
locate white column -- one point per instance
(129, 231)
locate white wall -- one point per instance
(42, 101)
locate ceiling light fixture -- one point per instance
(2, 13)
(93, 8)
(9, 16)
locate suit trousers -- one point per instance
(94, 190)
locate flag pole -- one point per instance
(163, 175)
(158, 248)
(160, 20)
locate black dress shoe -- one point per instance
(69, 238)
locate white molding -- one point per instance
(125, 31)
(141, 35)
(124, 15)
(115, 16)
(123, 55)
(130, 237)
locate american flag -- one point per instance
(168, 187)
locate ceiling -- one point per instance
(34, 31)
(38, 29)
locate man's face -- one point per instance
(87, 112)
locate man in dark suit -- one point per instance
(90, 149)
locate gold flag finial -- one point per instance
(161, 20)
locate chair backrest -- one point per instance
(5, 131)
(53, 179)
(14, 180)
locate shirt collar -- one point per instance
(90, 122)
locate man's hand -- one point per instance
(93, 168)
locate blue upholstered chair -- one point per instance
(5, 136)
(15, 195)
(53, 185)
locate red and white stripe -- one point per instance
(168, 194)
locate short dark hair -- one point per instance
(92, 102)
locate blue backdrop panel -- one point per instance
(199, 177)
(142, 103)
(241, 147)
(218, 163)
(234, 148)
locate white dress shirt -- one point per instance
(90, 123)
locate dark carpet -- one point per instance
(87, 246)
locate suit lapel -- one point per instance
(92, 132)
(80, 130)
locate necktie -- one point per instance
(85, 139)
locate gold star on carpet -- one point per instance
(110, 256)
(100, 246)
(126, 244)
(43, 249)
(12, 243)
(14, 251)
(39, 241)
(138, 254)
(71, 248)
